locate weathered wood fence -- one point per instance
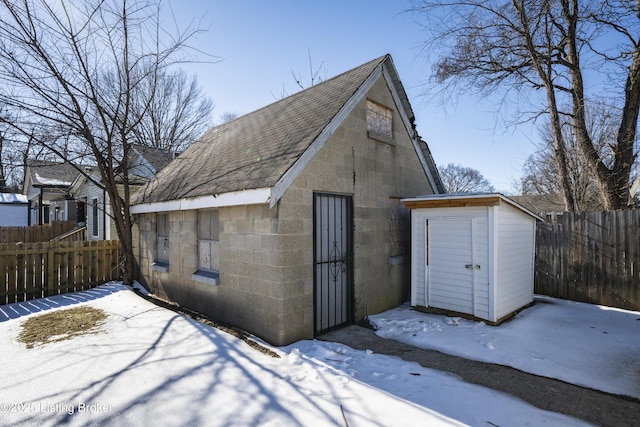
(35, 270)
(591, 257)
(35, 233)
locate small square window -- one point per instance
(379, 122)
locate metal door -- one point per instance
(333, 243)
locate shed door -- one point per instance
(333, 236)
(452, 266)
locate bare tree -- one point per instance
(76, 75)
(228, 116)
(316, 75)
(461, 179)
(541, 174)
(177, 115)
(551, 47)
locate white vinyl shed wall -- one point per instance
(14, 210)
(472, 254)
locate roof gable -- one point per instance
(269, 147)
(147, 161)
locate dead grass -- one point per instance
(61, 325)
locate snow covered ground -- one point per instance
(583, 344)
(151, 366)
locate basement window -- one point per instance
(162, 250)
(379, 122)
(208, 247)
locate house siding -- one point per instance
(266, 254)
(88, 193)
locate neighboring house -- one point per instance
(145, 162)
(148, 161)
(14, 210)
(98, 215)
(287, 222)
(59, 192)
(46, 186)
(548, 206)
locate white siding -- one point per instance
(515, 252)
(418, 296)
(14, 215)
(456, 298)
(502, 245)
(481, 258)
(89, 191)
(450, 249)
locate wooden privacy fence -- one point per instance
(35, 270)
(591, 257)
(35, 233)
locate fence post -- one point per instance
(50, 285)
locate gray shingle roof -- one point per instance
(51, 174)
(255, 150)
(157, 158)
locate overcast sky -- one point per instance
(260, 43)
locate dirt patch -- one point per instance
(61, 325)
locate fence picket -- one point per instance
(36, 233)
(34, 270)
(591, 257)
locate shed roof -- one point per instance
(255, 151)
(456, 200)
(13, 198)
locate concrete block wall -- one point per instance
(266, 254)
(372, 172)
(253, 273)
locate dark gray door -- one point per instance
(333, 243)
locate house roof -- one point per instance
(44, 173)
(541, 203)
(153, 158)
(456, 200)
(257, 150)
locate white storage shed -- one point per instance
(14, 210)
(472, 254)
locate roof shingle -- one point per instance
(255, 150)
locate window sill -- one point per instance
(205, 276)
(160, 266)
(380, 137)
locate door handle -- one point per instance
(472, 267)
